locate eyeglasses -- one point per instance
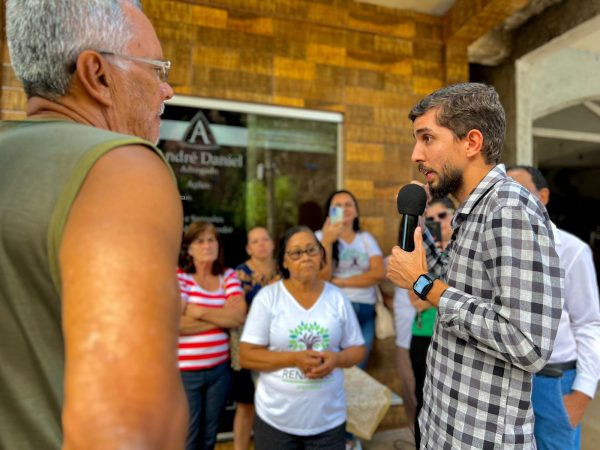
(439, 216)
(296, 254)
(162, 67)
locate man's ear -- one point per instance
(94, 74)
(474, 141)
(544, 195)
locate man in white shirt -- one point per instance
(564, 387)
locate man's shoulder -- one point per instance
(91, 133)
(507, 193)
(66, 132)
(570, 248)
(569, 239)
(510, 192)
(495, 192)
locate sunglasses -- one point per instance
(296, 254)
(439, 216)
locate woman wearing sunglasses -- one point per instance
(441, 211)
(299, 333)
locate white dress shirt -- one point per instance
(578, 336)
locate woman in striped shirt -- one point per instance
(214, 302)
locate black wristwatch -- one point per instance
(423, 285)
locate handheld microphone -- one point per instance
(411, 201)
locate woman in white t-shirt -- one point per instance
(299, 333)
(354, 262)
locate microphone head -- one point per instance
(411, 200)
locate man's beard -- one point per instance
(449, 182)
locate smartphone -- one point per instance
(336, 214)
(435, 229)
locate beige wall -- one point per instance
(369, 63)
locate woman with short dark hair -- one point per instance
(300, 332)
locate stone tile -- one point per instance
(396, 439)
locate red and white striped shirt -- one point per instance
(208, 348)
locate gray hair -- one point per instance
(468, 106)
(45, 37)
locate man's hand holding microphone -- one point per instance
(407, 265)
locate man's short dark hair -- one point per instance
(468, 106)
(536, 175)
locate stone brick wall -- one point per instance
(370, 63)
(12, 97)
(539, 30)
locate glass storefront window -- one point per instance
(241, 169)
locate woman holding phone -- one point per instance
(354, 261)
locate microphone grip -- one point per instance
(406, 240)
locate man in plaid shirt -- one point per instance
(500, 288)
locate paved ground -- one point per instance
(402, 439)
(398, 439)
(590, 434)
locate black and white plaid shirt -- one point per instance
(496, 322)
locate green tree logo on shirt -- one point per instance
(309, 336)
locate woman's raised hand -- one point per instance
(331, 232)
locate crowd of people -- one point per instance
(120, 334)
(342, 254)
(303, 326)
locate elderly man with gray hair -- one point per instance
(90, 223)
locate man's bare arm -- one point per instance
(121, 307)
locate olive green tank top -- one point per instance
(42, 167)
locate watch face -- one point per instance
(421, 283)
